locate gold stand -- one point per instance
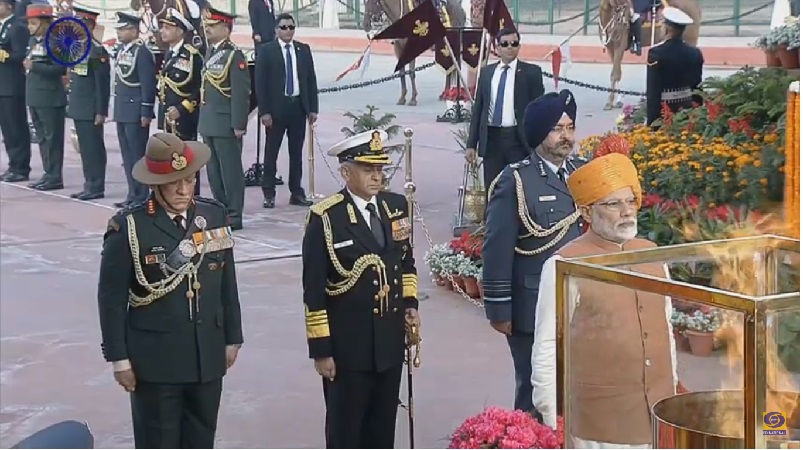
(311, 195)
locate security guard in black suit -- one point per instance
(179, 84)
(360, 293)
(674, 68)
(225, 104)
(46, 98)
(13, 115)
(168, 300)
(522, 232)
(134, 96)
(88, 107)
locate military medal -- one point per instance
(200, 222)
(187, 248)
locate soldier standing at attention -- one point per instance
(88, 107)
(179, 81)
(168, 300)
(519, 243)
(46, 98)
(13, 116)
(360, 293)
(134, 95)
(674, 68)
(225, 101)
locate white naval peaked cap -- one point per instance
(675, 15)
(356, 140)
(173, 15)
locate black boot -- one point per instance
(635, 34)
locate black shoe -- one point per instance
(278, 181)
(299, 200)
(269, 202)
(36, 183)
(91, 196)
(49, 186)
(5, 175)
(15, 177)
(77, 194)
(235, 226)
(123, 204)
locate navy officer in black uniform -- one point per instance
(522, 232)
(134, 97)
(360, 294)
(13, 115)
(168, 300)
(674, 68)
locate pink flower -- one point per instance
(499, 428)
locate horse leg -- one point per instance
(403, 98)
(616, 77)
(414, 97)
(613, 51)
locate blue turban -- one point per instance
(543, 113)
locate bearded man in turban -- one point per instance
(530, 214)
(622, 348)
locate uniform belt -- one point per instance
(676, 95)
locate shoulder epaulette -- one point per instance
(119, 217)
(520, 164)
(321, 207)
(190, 48)
(209, 201)
(131, 208)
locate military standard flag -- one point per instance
(421, 27)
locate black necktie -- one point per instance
(376, 225)
(179, 220)
(562, 174)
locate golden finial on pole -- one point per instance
(409, 185)
(311, 195)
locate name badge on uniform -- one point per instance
(81, 69)
(156, 258)
(38, 50)
(343, 244)
(547, 198)
(401, 229)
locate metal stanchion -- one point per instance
(311, 195)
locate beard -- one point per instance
(619, 232)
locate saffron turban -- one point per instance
(543, 113)
(603, 176)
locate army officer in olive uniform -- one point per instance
(360, 294)
(46, 98)
(88, 107)
(225, 97)
(519, 243)
(134, 96)
(179, 86)
(168, 300)
(13, 115)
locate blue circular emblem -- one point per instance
(774, 420)
(68, 41)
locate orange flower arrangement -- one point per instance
(792, 164)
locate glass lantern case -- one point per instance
(721, 317)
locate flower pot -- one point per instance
(681, 341)
(472, 290)
(459, 282)
(447, 283)
(439, 280)
(702, 344)
(790, 58)
(772, 58)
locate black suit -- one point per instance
(263, 21)
(289, 113)
(499, 146)
(674, 71)
(13, 116)
(178, 356)
(361, 327)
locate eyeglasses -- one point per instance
(287, 27)
(618, 205)
(505, 44)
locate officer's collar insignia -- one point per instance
(541, 168)
(151, 207)
(376, 142)
(352, 214)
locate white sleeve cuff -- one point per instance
(122, 365)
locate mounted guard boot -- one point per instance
(635, 36)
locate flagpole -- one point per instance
(576, 32)
(457, 68)
(481, 62)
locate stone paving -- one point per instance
(51, 367)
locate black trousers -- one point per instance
(504, 147)
(16, 134)
(361, 408)
(521, 349)
(133, 138)
(93, 155)
(292, 121)
(175, 415)
(49, 125)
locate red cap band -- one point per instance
(220, 17)
(177, 163)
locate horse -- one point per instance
(615, 18)
(394, 10)
(154, 10)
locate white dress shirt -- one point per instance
(362, 205)
(508, 112)
(293, 62)
(544, 354)
(555, 168)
